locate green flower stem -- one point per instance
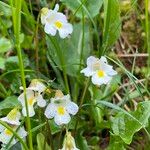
(17, 27)
(15, 134)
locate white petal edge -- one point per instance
(99, 81)
(40, 101)
(66, 30)
(62, 119)
(87, 72)
(49, 29)
(72, 108)
(50, 111)
(31, 111)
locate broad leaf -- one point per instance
(125, 126)
(112, 22)
(81, 142)
(116, 143)
(69, 50)
(9, 102)
(2, 63)
(92, 6)
(41, 144)
(5, 45)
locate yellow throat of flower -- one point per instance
(58, 24)
(12, 115)
(101, 73)
(61, 110)
(8, 132)
(31, 101)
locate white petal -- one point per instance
(100, 80)
(61, 17)
(103, 59)
(87, 72)
(13, 122)
(36, 85)
(91, 60)
(62, 119)
(29, 94)
(56, 7)
(21, 132)
(49, 29)
(72, 108)
(5, 138)
(40, 101)
(31, 111)
(66, 97)
(65, 30)
(50, 111)
(2, 128)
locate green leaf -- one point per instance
(5, 9)
(81, 142)
(2, 63)
(125, 126)
(69, 49)
(41, 144)
(116, 143)
(17, 146)
(5, 45)
(9, 102)
(112, 23)
(93, 6)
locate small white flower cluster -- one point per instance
(99, 69)
(59, 108)
(12, 119)
(54, 21)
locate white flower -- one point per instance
(12, 118)
(54, 20)
(60, 109)
(32, 98)
(36, 85)
(6, 135)
(99, 69)
(69, 143)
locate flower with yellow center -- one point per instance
(54, 21)
(13, 117)
(99, 69)
(6, 135)
(34, 95)
(60, 108)
(69, 143)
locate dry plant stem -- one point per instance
(120, 100)
(129, 84)
(17, 28)
(133, 55)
